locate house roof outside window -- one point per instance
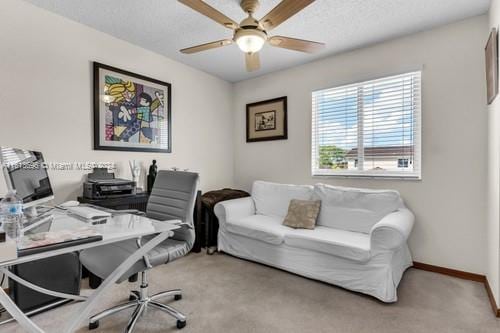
(382, 152)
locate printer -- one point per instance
(102, 184)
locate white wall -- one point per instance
(449, 202)
(46, 99)
(493, 218)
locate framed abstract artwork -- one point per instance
(267, 120)
(491, 53)
(131, 112)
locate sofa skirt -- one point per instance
(379, 277)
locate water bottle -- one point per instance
(11, 208)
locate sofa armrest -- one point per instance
(392, 231)
(234, 209)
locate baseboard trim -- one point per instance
(462, 275)
(450, 272)
(492, 298)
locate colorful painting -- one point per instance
(132, 112)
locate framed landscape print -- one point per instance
(491, 52)
(267, 120)
(131, 112)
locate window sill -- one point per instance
(365, 176)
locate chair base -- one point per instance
(140, 301)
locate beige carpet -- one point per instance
(226, 294)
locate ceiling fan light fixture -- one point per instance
(250, 41)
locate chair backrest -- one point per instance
(173, 197)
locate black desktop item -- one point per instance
(153, 171)
(102, 184)
(61, 273)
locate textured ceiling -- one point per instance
(165, 26)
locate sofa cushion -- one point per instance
(340, 243)
(302, 214)
(260, 227)
(354, 209)
(272, 199)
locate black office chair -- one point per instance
(173, 197)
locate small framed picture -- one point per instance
(491, 53)
(267, 120)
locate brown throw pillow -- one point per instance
(302, 214)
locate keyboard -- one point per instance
(88, 213)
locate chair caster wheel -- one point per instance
(177, 297)
(93, 326)
(181, 324)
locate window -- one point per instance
(368, 129)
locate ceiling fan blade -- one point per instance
(295, 44)
(207, 46)
(207, 10)
(252, 61)
(282, 12)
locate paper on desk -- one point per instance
(55, 237)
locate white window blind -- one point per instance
(368, 129)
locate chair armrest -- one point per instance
(392, 231)
(234, 209)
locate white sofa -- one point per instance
(359, 242)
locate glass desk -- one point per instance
(114, 229)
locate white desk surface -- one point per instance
(117, 228)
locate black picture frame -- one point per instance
(97, 111)
(249, 122)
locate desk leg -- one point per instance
(84, 311)
(17, 314)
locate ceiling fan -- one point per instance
(251, 34)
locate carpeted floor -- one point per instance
(226, 294)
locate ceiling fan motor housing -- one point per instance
(250, 23)
(250, 32)
(250, 27)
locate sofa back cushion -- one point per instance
(354, 209)
(272, 199)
